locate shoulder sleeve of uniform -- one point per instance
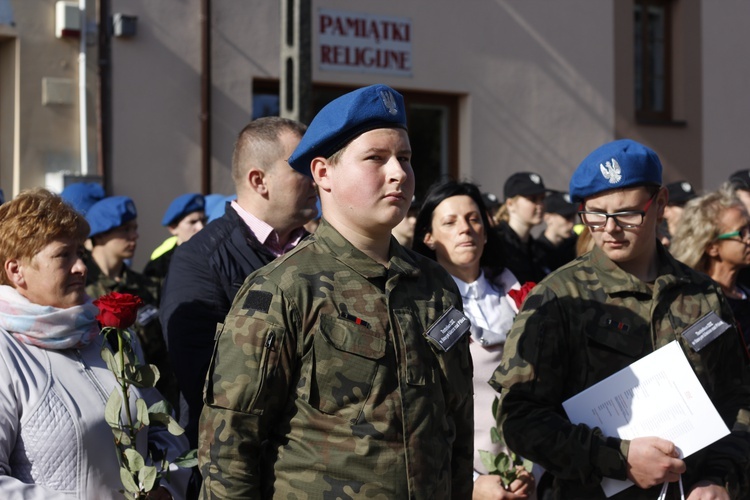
(247, 386)
(537, 363)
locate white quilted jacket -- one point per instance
(54, 442)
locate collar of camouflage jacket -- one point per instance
(401, 262)
(615, 280)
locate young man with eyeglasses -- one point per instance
(599, 314)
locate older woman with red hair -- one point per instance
(54, 440)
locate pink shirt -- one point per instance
(265, 234)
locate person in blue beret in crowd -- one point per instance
(114, 234)
(216, 205)
(184, 217)
(343, 368)
(82, 195)
(597, 315)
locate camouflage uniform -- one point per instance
(323, 385)
(585, 322)
(147, 324)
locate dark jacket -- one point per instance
(204, 276)
(522, 259)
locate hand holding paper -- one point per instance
(652, 461)
(658, 395)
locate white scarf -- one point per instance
(46, 326)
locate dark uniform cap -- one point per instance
(491, 201)
(740, 180)
(560, 203)
(110, 213)
(680, 193)
(82, 195)
(615, 165)
(181, 206)
(523, 184)
(344, 118)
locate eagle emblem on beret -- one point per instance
(389, 102)
(611, 171)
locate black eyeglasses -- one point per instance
(741, 235)
(626, 220)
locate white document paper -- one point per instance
(658, 395)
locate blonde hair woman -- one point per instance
(714, 238)
(523, 210)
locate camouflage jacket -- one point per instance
(585, 322)
(324, 385)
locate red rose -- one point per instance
(520, 295)
(118, 310)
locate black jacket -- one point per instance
(204, 276)
(522, 259)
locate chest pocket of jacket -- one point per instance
(610, 349)
(345, 357)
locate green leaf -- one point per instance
(171, 424)
(121, 437)
(127, 481)
(502, 462)
(113, 408)
(488, 460)
(527, 464)
(148, 375)
(147, 477)
(110, 359)
(496, 407)
(160, 407)
(142, 411)
(188, 459)
(495, 435)
(135, 460)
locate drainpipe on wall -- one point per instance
(205, 20)
(83, 119)
(104, 92)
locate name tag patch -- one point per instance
(448, 329)
(704, 331)
(147, 314)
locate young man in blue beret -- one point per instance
(600, 313)
(82, 195)
(114, 235)
(184, 217)
(342, 369)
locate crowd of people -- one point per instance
(322, 333)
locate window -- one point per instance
(653, 64)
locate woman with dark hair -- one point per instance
(453, 229)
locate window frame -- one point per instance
(643, 75)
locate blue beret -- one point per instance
(181, 206)
(344, 118)
(110, 213)
(2, 197)
(615, 165)
(82, 195)
(218, 206)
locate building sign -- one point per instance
(364, 43)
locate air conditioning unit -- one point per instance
(67, 19)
